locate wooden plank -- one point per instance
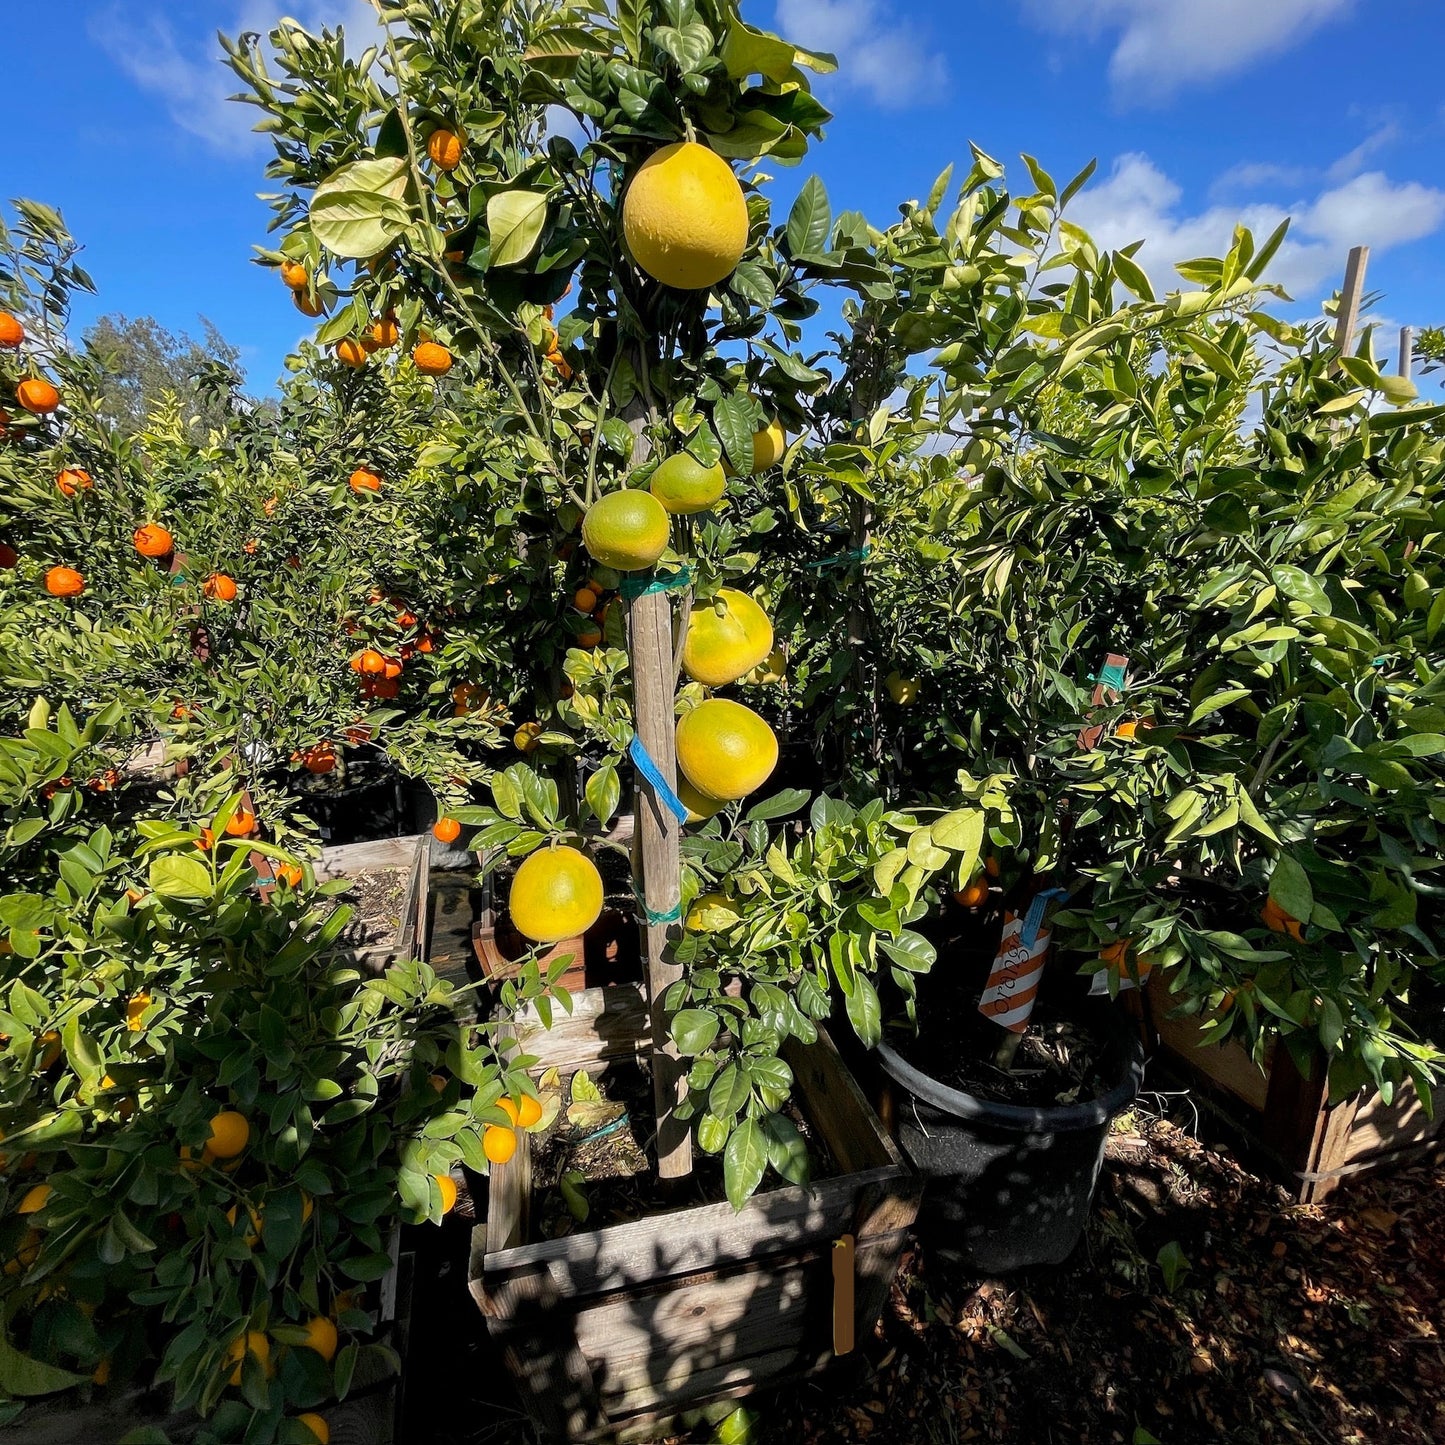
(411, 931)
(1396, 1127)
(1228, 1064)
(837, 1108)
(734, 1378)
(509, 1187)
(1348, 317)
(605, 1023)
(344, 859)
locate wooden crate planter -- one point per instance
(410, 856)
(608, 1330)
(1286, 1119)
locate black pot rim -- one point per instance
(1053, 1119)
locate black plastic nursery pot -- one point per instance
(1008, 1186)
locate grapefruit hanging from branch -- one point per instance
(685, 217)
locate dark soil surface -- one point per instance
(1319, 1324)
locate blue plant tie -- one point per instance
(1034, 918)
(634, 587)
(649, 770)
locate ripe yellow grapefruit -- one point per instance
(628, 530)
(699, 806)
(556, 894)
(684, 486)
(725, 749)
(903, 690)
(727, 636)
(253, 1342)
(685, 217)
(321, 1337)
(769, 446)
(712, 913)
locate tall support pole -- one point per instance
(658, 847)
(1407, 351)
(1348, 318)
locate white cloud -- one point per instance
(1165, 44)
(185, 66)
(1139, 202)
(876, 52)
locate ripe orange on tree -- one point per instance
(589, 637)
(447, 1188)
(445, 149)
(290, 874)
(527, 737)
(364, 480)
(321, 1336)
(498, 1144)
(230, 1133)
(432, 359)
(529, 1111)
(385, 332)
(37, 395)
(252, 1343)
(317, 1426)
(307, 304)
(64, 582)
(152, 540)
(242, 824)
(585, 599)
(295, 275)
(319, 759)
(12, 333)
(974, 894)
(1278, 920)
(351, 352)
(446, 830)
(73, 480)
(34, 1199)
(219, 587)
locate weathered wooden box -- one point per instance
(1307, 1143)
(608, 1330)
(407, 856)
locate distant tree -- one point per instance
(144, 363)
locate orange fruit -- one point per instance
(321, 1336)
(219, 587)
(363, 480)
(153, 540)
(446, 830)
(589, 637)
(317, 1426)
(498, 1144)
(73, 480)
(12, 333)
(253, 1215)
(49, 1043)
(253, 1343)
(372, 663)
(319, 759)
(526, 738)
(37, 395)
(391, 668)
(307, 304)
(447, 1188)
(584, 599)
(529, 1111)
(385, 332)
(1278, 921)
(974, 894)
(295, 275)
(432, 359)
(135, 1009)
(229, 1134)
(290, 874)
(242, 824)
(351, 352)
(445, 149)
(725, 749)
(35, 1199)
(556, 893)
(206, 841)
(628, 529)
(685, 217)
(1126, 730)
(64, 582)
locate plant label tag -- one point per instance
(1013, 982)
(1109, 688)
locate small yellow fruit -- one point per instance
(628, 530)
(529, 1111)
(317, 1426)
(556, 893)
(36, 1198)
(321, 1337)
(229, 1134)
(903, 690)
(684, 486)
(499, 1144)
(253, 1343)
(685, 217)
(699, 806)
(725, 749)
(727, 636)
(447, 1188)
(768, 447)
(712, 913)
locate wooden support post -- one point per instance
(1407, 351)
(1350, 296)
(657, 844)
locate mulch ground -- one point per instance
(1202, 1307)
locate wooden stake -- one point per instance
(1348, 317)
(1407, 351)
(657, 845)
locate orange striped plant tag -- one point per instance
(1013, 983)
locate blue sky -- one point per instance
(1200, 112)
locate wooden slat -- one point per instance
(509, 1187)
(605, 1023)
(1351, 294)
(345, 859)
(1381, 1128)
(837, 1108)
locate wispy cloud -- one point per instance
(878, 52)
(1164, 45)
(180, 61)
(1137, 201)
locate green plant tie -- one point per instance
(1113, 676)
(843, 559)
(634, 587)
(656, 920)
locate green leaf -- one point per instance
(787, 1149)
(712, 1133)
(515, 220)
(23, 1376)
(1132, 275)
(603, 793)
(810, 220)
(173, 875)
(744, 1161)
(1289, 886)
(693, 1030)
(864, 1011)
(732, 419)
(360, 209)
(1218, 702)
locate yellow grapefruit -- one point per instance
(253, 1342)
(684, 486)
(725, 749)
(699, 806)
(556, 894)
(628, 530)
(727, 636)
(712, 913)
(768, 446)
(903, 690)
(685, 217)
